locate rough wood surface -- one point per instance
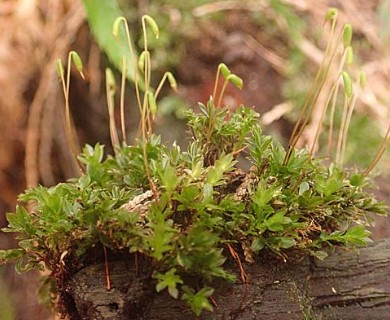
(347, 285)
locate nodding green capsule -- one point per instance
(153, 25)
(331, 14)
(172, 81)
(110, 79)
(77, 62)
(141, 61)
(152, 103)
(347, 34)
(347, 84)
(60, 68)
(224, 70)
(362, 78)
(115, 27)
(349, 55)
(235, 80)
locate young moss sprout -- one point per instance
(186, 212)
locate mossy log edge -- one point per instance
(349, 284)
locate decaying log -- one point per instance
(347, 285)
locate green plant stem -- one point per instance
(333, 93)
(315, 90)
(331, 120)
(122, 107)
(160, 85)
(68, 118)
(221, 94)
(216, 82)
(298, 129)
(342, 129)
(145, 116)
(136, 78)
(351, 108)
(110, 106)
(379, 154)
(321, 120)
(69, 131)
(162, 82)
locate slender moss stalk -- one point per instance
(69, 129)
(172, 82)
(379, 154)
(145, 116)
(110, 93)
(342, 130)
(312, 97)
(223, 89)
(332, 96)
(351, 108)
(222, 68)
(133, 57)
(122, 103)
(331, 120)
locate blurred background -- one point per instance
(276, 46)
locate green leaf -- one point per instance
(357, 180)
(198, 301)
(225, 163)
(187, 196)
(101, 17)
(162, 233)
(286, 242)
(169, 280)
(264, 193)
(208, 193)
(258, 244)
(169, 179)
(161, 240)
(214, 176)
(10, 255)
(200, 253)
(277, 222)
(357, 235)
(331, 184)
(20, 221)
(303, 188)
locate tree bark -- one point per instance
(346, 285)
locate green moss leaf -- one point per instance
(169, 280)
(198, 301)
